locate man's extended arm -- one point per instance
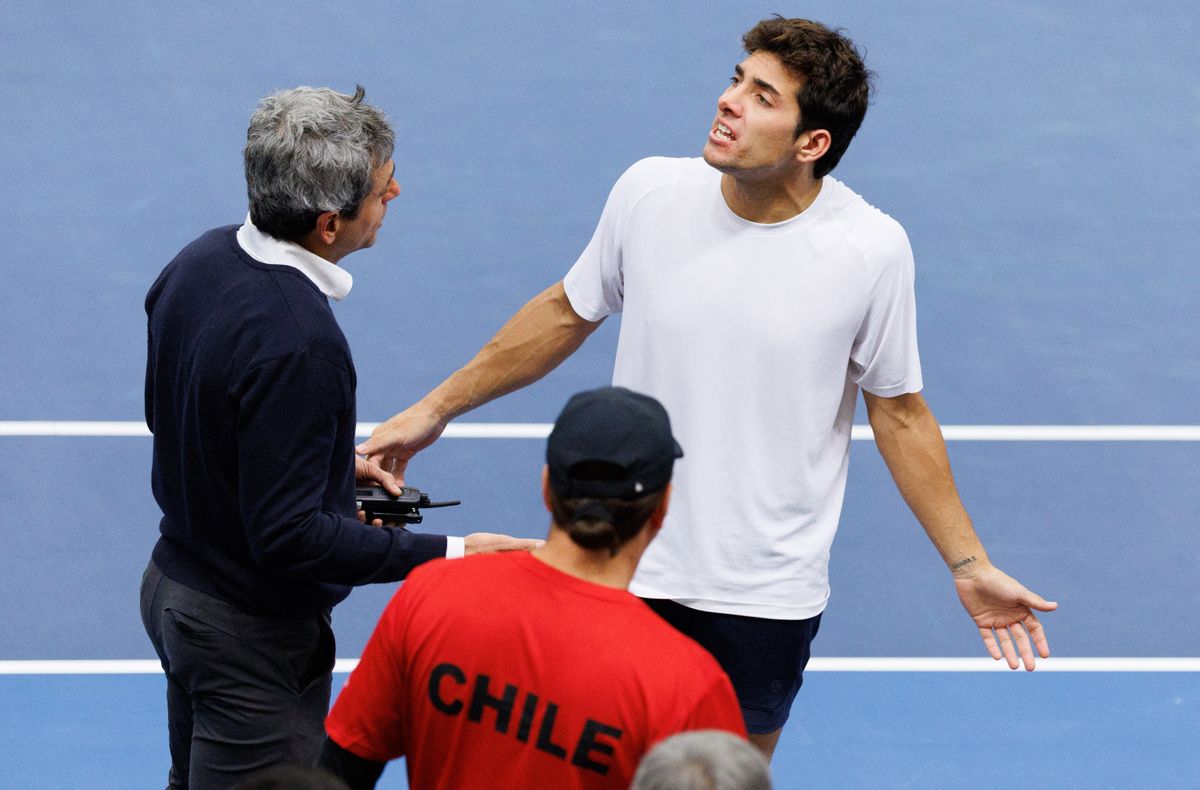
(543, 333)
(368, 473)
(910, 440)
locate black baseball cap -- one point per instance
(611, 443)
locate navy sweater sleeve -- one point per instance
(287, 425)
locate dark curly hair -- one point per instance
(835, 84)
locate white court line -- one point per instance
(344, 665)
(70, 428)
(538, 430)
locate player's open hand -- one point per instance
(397, 440)
(483, 542)
(1003, 609)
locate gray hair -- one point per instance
(703, 760)
(312, 150)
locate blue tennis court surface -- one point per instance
(1044, 159)
(870, 730)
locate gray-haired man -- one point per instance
(703, 760)
(250, 395)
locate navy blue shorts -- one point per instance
(764, 659)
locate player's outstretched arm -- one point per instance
(910, 440)
(533, 342)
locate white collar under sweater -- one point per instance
(334, 281)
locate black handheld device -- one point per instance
(403, 509)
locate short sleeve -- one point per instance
(884, 359)
(595, 285)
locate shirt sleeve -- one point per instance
(289, 411)
(354, 771)
(367, 719)
(456, 547)
(884, 359)
(595, 285)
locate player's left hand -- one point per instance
(1003, 609)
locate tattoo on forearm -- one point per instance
(961, 563)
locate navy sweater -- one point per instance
(250, 396)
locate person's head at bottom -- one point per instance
(703, 760)
(607, 480)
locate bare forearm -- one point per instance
(533, 342)
(911, 443)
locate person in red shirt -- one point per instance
(539, 670)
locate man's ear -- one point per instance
(546, 487)
(328, 225)
(660, 512)
(812, 145)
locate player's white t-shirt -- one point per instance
(755, 338)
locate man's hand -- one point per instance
(394, 442)
(367, 473)
(484, 542)
(1003, 610)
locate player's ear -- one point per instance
(655, 521)
(546, 488)
(811, 145)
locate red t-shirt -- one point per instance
(497, 670)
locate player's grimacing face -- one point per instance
(755, 125)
